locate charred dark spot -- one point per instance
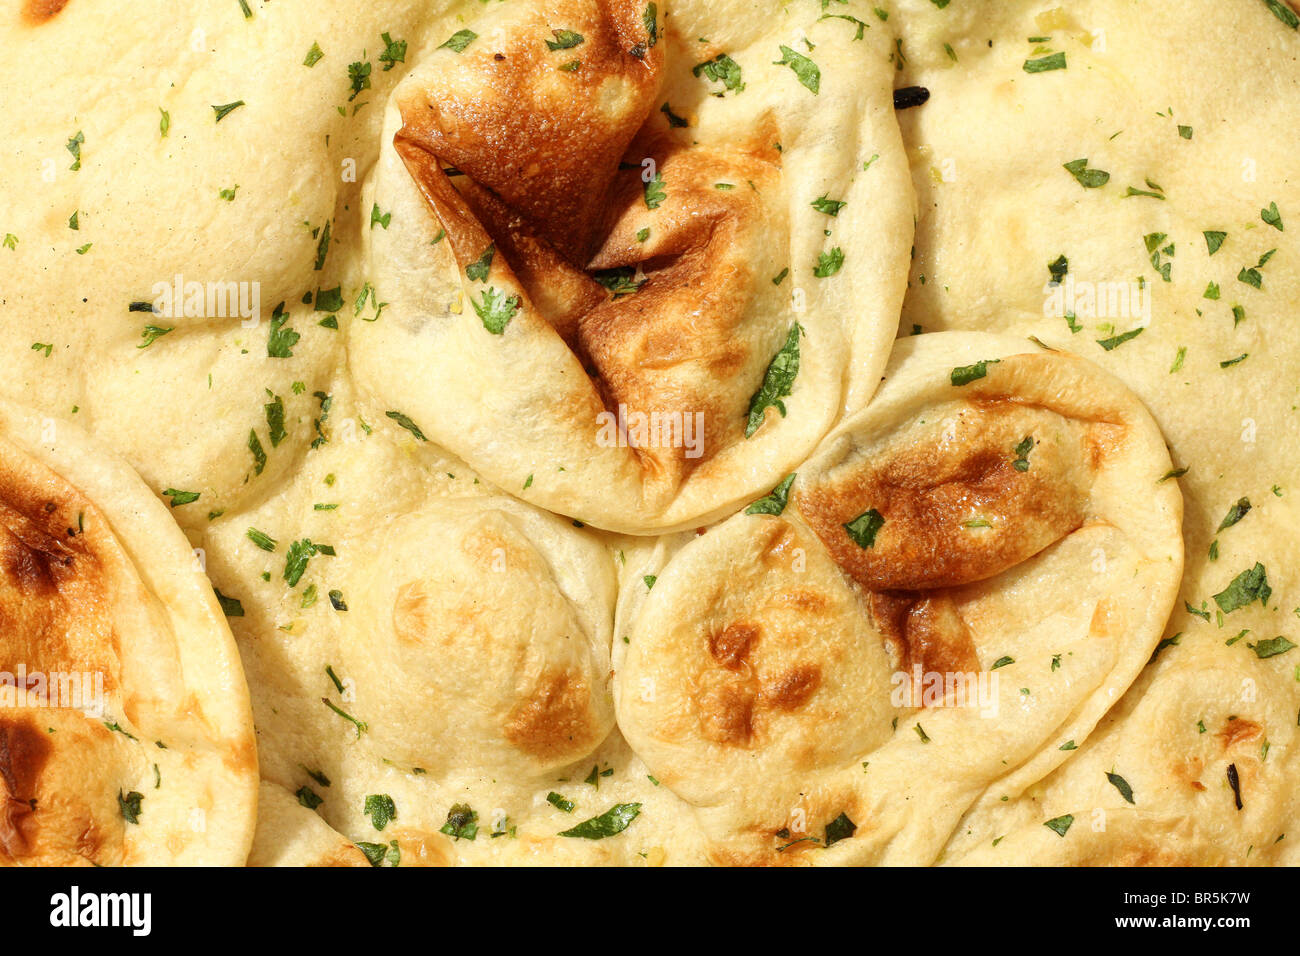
(30, 568)
(1235, 782)
(24, 751)
(731, 646)
(909, 96)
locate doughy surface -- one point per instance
(329, 306)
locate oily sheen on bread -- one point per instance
(125, 733)
(633, 277)
(837, 674)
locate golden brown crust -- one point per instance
(125, 735)
(555, 719)
(924, 628)
(927, 494)
(546, 141)
(53, 608)
(36, 12)
(24, 752)
(673, 346)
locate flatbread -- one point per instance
(837, 679)
(125, 732)
(366, 467)
(1160, 299)
(629, 302)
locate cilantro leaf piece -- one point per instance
(805, 69)
(559, 802)
(861, 26)
(1115, 341)
(374, 852)
(1045, 64)
(1247, 587)
(282, 339)
(864, 528)
(1286, 15)
(721, 69)
(650, 20)
(829, 263)
(130, 805)
(841, 828)
(261, 539)
(1271, 647)
(394, 52)
(1120, 784)
(358, 78)
(379, 807)
(774, 503)
(462, 822)
(965, 374)
(275, 420)
(152, 333)
(259, 454)
(1087, 178)
(360, 725)
(1022, 451)
(1060, 825)
(1235, 514)
(496, 309)
(406, 423)
(230, 607)
(613, 821)
(74, 144)
(830, 207)
(224, 111)
(459, 40)
(778, 382)
(564, 40)
(1272, 216)
(1058, 269)
(655, 194)
(477, 271)
(181, 497)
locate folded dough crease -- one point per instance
(573, 197)
(964, 578)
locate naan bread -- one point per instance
(995, 517)
(633, 276)
(440, 648)
(125, 731)
(249, 207)
(1169, 295)
(1104, 192)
